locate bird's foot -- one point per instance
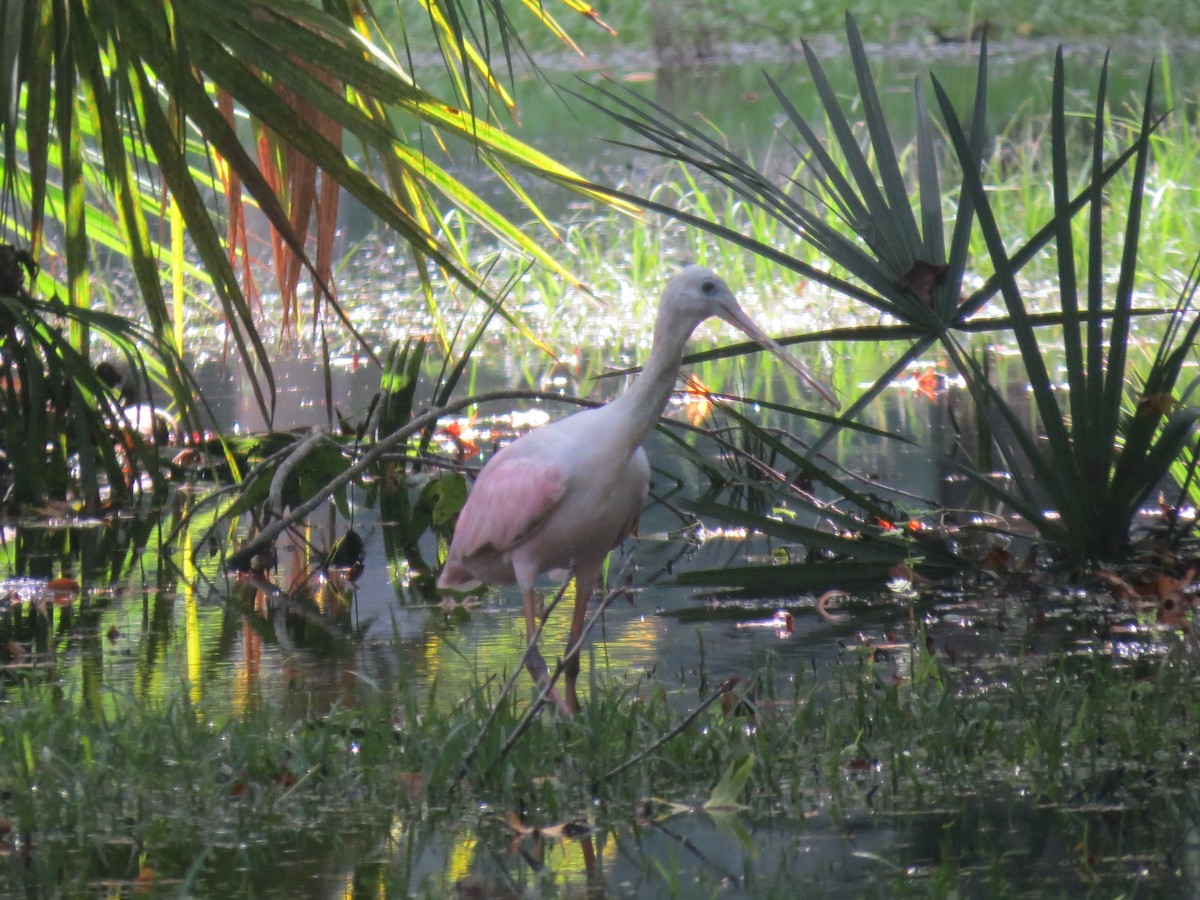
(541, 675)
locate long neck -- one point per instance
(637, 410)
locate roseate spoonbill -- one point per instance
(565, 494)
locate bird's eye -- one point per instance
(708, 287)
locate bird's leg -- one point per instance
(534, 663)
(585, 582)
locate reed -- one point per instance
(176, 797)
(947, 275)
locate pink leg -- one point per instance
(534, 663)
(586, 577)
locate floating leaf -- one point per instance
(729, 788)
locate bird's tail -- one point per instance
(457, 577)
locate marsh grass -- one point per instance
(703, 28)
(909, 745)
(627, 260)
(1018, 180)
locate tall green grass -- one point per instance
(625, 260)
(183, 799)
(701, 29)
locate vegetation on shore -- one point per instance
(1056, 760)
(180, 799)
(707, 28)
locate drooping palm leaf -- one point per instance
(128, 127)
(144, 88)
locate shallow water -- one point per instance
(231, 646)
(151, 622)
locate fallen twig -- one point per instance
(271, 531)
(469, 756)
(723, 688)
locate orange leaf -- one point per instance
(929, 383)
(697, 401)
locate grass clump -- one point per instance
(272, 802)
(697, 30)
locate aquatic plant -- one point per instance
(74, 430)
(1097, 458)
(885, 246)
(179, 795)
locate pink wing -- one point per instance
(510, 499)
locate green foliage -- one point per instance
(703, 29)
(1099, 458)
(884, 245)
(398, 386)
(170, 787)
(68, 432)
(123, 133)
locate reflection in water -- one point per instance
(171, 623)
(191, 639)
(241, 641)
(233, 645)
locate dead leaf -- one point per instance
(922, 278)
(413, 782)
(570, 829)
(997, 559)
(1171, 614)
(930, 383)
(1155, 404)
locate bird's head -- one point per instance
(696, 293)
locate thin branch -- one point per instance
(299, 452)
(469, 756)
(723, 688)
(385, 444)
(574, 649)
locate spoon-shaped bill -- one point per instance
(736, 317)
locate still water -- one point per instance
(153, 619)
